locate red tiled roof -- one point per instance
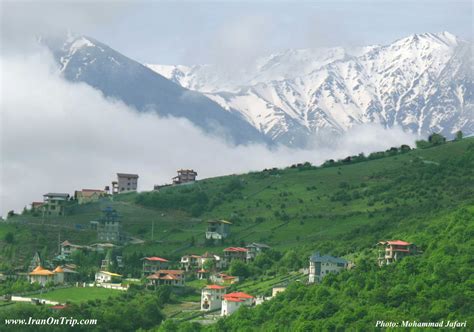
(232, 299)
(170, 277)
(156, 259)
(166, 275)
(237, 297)
(215, 287)
(399, 243)
(58, 307)
(170, 272)
(236, 249)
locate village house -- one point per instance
(235, 253)
(321, 266)
(190, 262)
(88, 195)
(202, 274)
(217, 261)
(391, 251)
(184, 176)
(109, 227)
(110, 261)
(67, 248)
(218, 229)
(254, 249)
(211, 297)
(44, 276)
(277, 289)
(107, 277)
(223, 279)
(233, 301)
(37, 206)
(125, 183)
(167, 277)
(153, 264)
(53, 203)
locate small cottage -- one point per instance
(88, 195)
(107, 277)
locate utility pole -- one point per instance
(59, 241)
(152, 229)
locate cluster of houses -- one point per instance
(214, 297)
(54, 204)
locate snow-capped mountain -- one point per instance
(83, 59)
(423, 83)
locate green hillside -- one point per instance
(344, 208)
(338, 209)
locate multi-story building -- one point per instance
(321, 266)
(153, 264)
(125, 183)
(109, 227)
(390, 251)
(211, 297)
(233, 253)
(218, 229)
(254, 249)
(190, 262)
(53, 203)
(184, 176)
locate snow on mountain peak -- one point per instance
(418, 82)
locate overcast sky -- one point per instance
(190, 32)
(52, 133)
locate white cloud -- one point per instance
(58, 136)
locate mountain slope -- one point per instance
(351, 205)
(423, 83)
(83, 59)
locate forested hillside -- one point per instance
(343, 208)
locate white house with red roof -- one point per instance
(225, 279)
(232, 253)
(393, 250)
(233, 301)
(153, 264)
(211, 297)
